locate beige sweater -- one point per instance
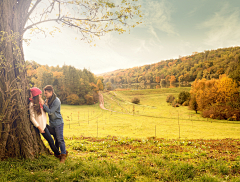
(37, 120)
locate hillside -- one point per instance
(208, 64)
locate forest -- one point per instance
(207, 64)
(73, 86)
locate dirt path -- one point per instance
(101, 101)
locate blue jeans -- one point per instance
(49, 139)
(57, 133)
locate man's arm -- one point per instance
(56, 103)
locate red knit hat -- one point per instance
(35, 91)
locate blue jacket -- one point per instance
(55, 117)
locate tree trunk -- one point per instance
(18, 137)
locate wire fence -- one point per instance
(101, 123)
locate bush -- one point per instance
(222, 112)
(183, 97)
(186, 103)
(175, 103)
(73, 99)
(170, 99)
(193, 103)
(89, 99)
(135, 100)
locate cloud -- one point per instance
(153, 32)
(223, 27)
(157, 14)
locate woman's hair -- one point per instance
(36, 105)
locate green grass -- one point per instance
(152, 117)
(126, 159)
(120, 145)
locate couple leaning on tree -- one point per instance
(38, 108)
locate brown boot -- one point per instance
(63, 158)
(57, 156)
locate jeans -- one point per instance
(48, 137)
(57, 133)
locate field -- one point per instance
(124, 159)
(153, 117)
(151, 141)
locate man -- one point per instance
(52, 107)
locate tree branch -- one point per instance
(30, 26)
(46, 11)
(93, 21)
(30, 12)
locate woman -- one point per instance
(39, 118)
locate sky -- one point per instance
(170, 28)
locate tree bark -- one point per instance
(18, 137)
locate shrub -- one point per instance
(175, 103)
(81, 101)
(89, 99)
(95, 97)
(193, 103)
(222, 112)
(170, 99)
(183, 97)
(186, 103)
(135, 100)
(73, 99)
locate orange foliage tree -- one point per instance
(157, 79)
(172, 79)
(217, 94)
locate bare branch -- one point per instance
(46, 11)
(39, 28)
(93, 21)
(33, 8)
(30, 26)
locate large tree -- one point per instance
(90, 18)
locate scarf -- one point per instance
(50, 101)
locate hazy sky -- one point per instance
(171, 28)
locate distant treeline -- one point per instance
(208, 64)
(72, 86)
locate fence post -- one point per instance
(155, 131)
(97, 127)
(178, 124)
(68, 121)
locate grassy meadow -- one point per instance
(125, 159)
(153, 117)
(151, 141)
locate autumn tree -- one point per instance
(109, 86)
(183, 97)
(193, 103)
(163, 83)
(172, 79)
(91, 18)
(180, 79)
(100, 84)
(157, 79)
(215, 95)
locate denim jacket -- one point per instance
(55, 117)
